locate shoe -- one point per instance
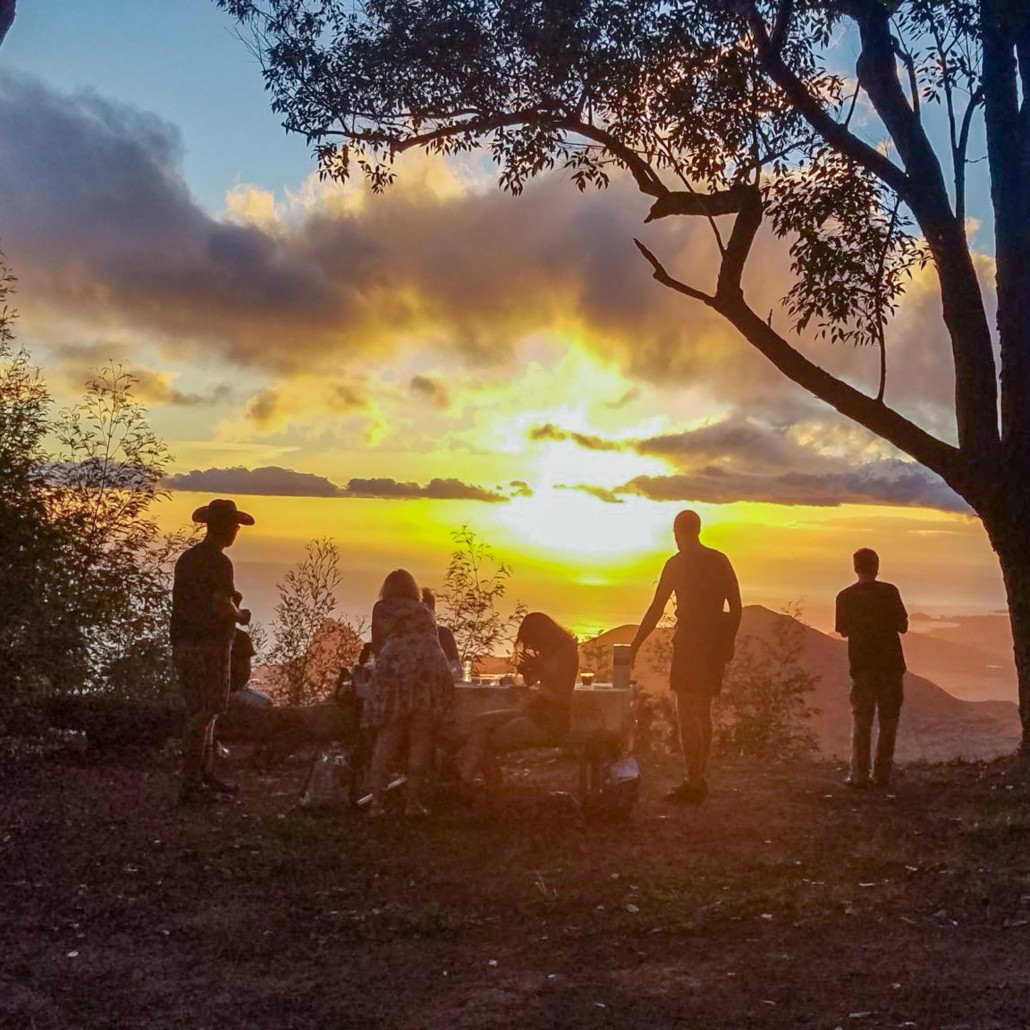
(855, 784)
(220, 786)
(688, 793)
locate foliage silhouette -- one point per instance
(309, 646)
(474, 585)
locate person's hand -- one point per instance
(244, 619)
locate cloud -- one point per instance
(334, 278)
(896, 483)
(272, 480)
(584, 440)
(740, 459)
(600, 492)
(429, 389)
(437, 489)
(159, 388)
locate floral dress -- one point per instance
(411, 674)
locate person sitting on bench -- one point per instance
(545, 654)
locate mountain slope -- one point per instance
(935, 725)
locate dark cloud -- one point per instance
(114, 237)
(157, 388)
(271, 480)
(590, 443)
(431, 390)
(739, 459)
(888, 482)
(437, 489)
(600, 492)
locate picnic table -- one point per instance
(600, 720)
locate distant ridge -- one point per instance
(936, 725)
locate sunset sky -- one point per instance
(385, 369)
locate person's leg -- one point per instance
(388, 739)
(695, 719)
(471, 754)
(889, 706)
(194, 739)
(863, 704)
(420, 751)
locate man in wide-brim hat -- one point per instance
(205, 614)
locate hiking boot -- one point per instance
(220, 786)
(856, 784)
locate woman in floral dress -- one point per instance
(412, 687)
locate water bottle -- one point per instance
(622, 666)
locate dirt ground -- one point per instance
(784, 901)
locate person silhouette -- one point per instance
(705, 584)
(412, 688)
(205, 614)
(872, 616)
(546, 654)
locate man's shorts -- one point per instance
(203, 671)
(877, 690)
(695, 669)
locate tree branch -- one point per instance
(6, 17)
(645, 176)
(960, 154)
(745, 228)
(944, 459)
(662, 276)
(682, 202)
(836, 134)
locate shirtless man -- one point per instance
(704, 583)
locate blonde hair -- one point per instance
(400, 583)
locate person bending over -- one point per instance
(705, 585)
(547, 655)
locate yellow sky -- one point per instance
(598, 566)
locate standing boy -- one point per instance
(871, 615)
(204, 619)
(705, 584)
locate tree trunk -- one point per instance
(1008, 527)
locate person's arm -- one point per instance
(654, 612)
(226, 598)
(841, 622)
(733, 598)
(378, 636)
(900, 614)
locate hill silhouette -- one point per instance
(935, 725)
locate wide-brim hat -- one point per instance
(223, 512)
